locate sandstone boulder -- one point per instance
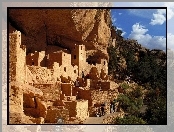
(41, 108)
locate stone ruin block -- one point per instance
(54, 113)
(78, 109)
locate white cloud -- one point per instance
(114, 19)
(170, 9)
(158, 17)
(139, 33)
(170, 42)
(123, 32)
(119, 13)
(169, 5)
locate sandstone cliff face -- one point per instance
(62, 27)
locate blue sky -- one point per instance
(147, 26)
(170, 16)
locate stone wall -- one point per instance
(15, 99)
(99, 96)
(39, 75)
(63, 66)
(54, 113)
(56, 71)
(82, 109)
(78, 57)
(32, 59)
(78, 109)
(17, 53)
(54, 57)
(36, 59)
(51, 92)
(97, 70)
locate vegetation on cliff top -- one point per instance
(147, 68)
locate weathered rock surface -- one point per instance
(62, 27)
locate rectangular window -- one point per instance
(74, 56)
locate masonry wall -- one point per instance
(54, 57)
(15, 99)
(94, 97)
(54, 113)
(113, 85)
(99, 96)
(17, 55)
(101, 64)
(66, 69)
(39, 75)
(69, 71)
(82, 109)
(36, 59)
(13, 47)
(78, 109)
(78, 57)
(56, 71)
(51, 92)
(32, 59)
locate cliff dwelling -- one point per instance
(50, 81)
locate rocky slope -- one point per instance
(125, 48)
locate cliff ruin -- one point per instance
(58, 65)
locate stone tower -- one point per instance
(17, 54)
(78, 57)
